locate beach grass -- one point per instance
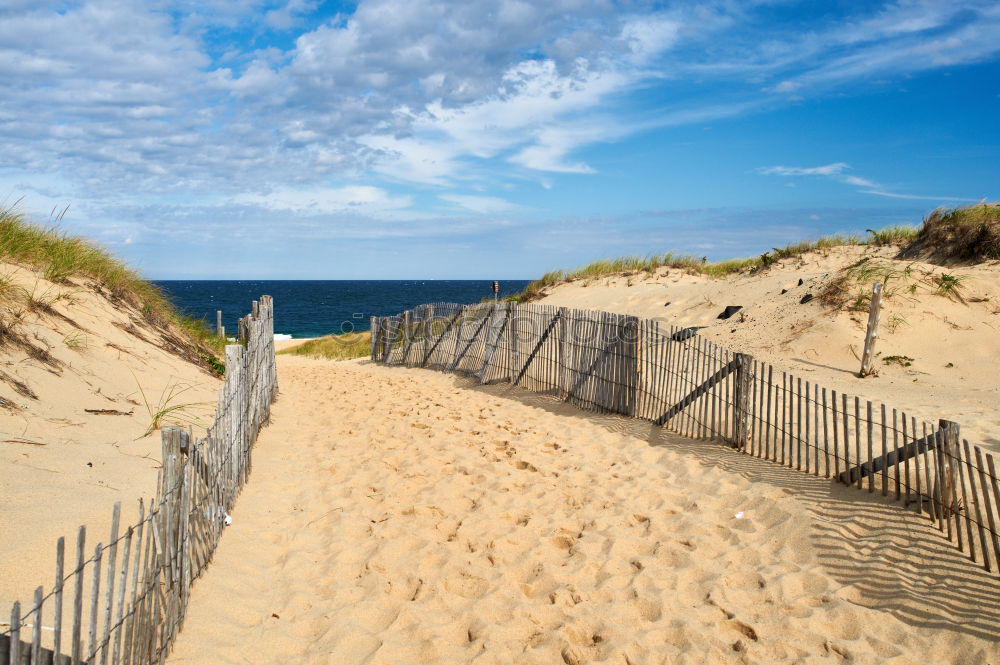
(631, 265)
(66, 259)
(969, 233)
(966, 233)
(334, 347)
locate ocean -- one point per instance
(307, 308)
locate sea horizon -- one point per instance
(306, 309)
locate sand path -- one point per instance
(401, 516)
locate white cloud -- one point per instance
(290, 14)
(899, 38)
(829, 169)
(359, 198)
(836, 170)
(412, 159)
(481, 204)
(858, 181)
(893, 195)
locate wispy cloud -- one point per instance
(357, 198)
(480, 204)
(836, 171)
(919, 197)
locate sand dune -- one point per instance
(61, 465)
(952, 344)
(401, 516)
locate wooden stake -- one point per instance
(741, 406)
(76, 647)
(57, 623)
(874, 313)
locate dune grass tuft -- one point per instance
(63, 258)
(334, 347)
(970, 233)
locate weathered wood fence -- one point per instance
(678, 379)
(125, 602)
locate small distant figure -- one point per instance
(496, 291)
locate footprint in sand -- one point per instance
(407, 588)
(466, 585)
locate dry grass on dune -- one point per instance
(334, 347)
(970, 233)
(632, 265)
(64, 259)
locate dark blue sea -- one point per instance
(304, 309)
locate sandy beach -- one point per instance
(407, 516)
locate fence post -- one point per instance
(741, 401)
(562, 351)
(513, 351)
(874, 313)
(458, 336)
(428, 331)
(949, 495)
(383, 333)
(633, 355)
(219, 330)
(373, 336)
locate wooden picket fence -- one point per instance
(678, 379)
(126, 602)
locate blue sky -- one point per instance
(488, 139)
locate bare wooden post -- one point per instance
(458, 336)
(428, 331)
(874, 313)
(15, 633)
(57, 623)
(564, 353)
(741, 403)
(219, 330)
(36, 629)
(76, 649)
(949, 495)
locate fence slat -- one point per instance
(966, 509)
(109, 604)
(977, 505)
(36, 628)
(58, 600)
(76, 648)
(996, 497)
(15, 633)
(987, 502)
(95, 599)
